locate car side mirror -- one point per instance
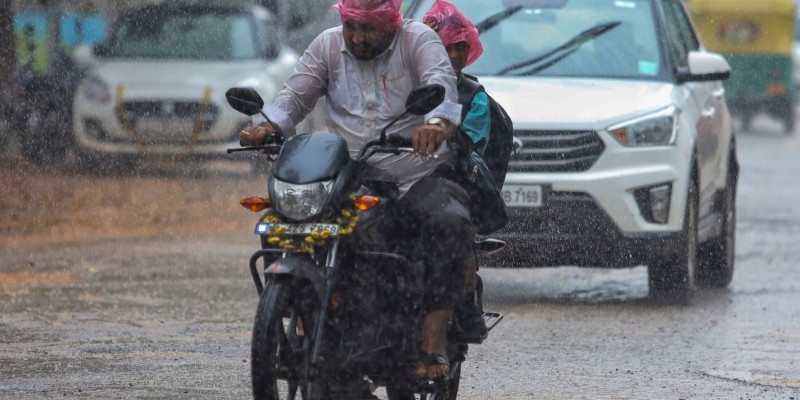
(703, 67)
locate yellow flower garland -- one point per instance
(347, 220)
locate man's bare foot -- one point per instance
(434, 342)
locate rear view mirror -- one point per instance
(705, 66)
(423, 100)
(245, 100)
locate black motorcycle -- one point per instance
(340, 309)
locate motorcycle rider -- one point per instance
(366, 68)
(460, 37)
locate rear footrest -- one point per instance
(491, 319)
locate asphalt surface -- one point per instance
(169, 317)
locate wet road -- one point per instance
(167, 318)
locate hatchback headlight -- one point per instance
(300, 202)
(96, 90)
(657, 129)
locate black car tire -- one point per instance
(672, 280)
(43, 138)
(717, 256)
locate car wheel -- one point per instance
(43, 139)
(788, 118)
(717, 256)
(672, 279)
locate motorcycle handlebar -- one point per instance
(270, 148)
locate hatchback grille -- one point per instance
(167, 121)
(556, 151)
(191, 110)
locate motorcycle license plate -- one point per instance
(298, 229)
(522, 195)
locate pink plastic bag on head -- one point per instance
(454, 27)
(383, 14)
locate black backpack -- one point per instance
(500, 145)
(482, 174)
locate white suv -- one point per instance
(625, 149)
(156, 86)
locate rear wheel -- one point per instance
(282, 341)
(787, 115)
(447, 389)
(716, 260)
(672, 280)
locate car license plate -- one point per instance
(164, 128)
(298, 229)
(522, 195)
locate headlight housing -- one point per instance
(656, 129)
(300, 202)
(94, 89)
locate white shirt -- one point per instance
(364, 96)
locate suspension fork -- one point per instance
(330, 266)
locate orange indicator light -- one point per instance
(254, 204)
(366, 202)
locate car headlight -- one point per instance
(94, 89)
(299, 202)
(657, 129)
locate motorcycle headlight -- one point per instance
(96, 90)
(299, 202)
(657, 129)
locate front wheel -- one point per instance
(282, 341)
(673, 280)
(718, 255)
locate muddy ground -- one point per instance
(62, 204)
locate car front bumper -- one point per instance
(593, 217)
(106, 129)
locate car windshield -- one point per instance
(191, 34)
(577, 38)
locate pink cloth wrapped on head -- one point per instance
(454, 27)
(383, 14)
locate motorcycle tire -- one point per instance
(447, 389)
(282, 342)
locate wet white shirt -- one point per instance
(364, 96)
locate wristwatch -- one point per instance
(445, 124)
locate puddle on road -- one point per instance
(38, 278)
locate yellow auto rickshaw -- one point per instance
(755, 36)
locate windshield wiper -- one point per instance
(552, 57)
(494, 19)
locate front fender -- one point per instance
(299, 266)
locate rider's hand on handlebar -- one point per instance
(428, 138)
(255, 135)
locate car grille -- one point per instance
(556, 151)
(166, 121)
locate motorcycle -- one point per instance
(340, 308)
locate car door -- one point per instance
(702, 98)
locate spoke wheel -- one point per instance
(447, 389)
(282, 341)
